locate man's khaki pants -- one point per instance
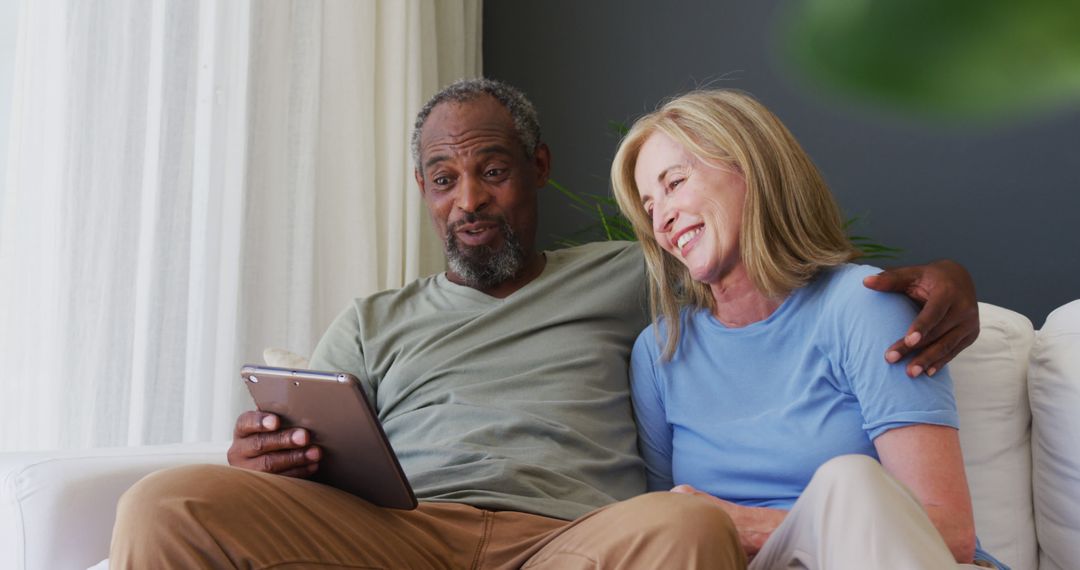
(224, 517)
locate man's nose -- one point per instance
(473, 196)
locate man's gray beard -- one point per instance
(483, 267)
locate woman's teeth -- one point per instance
(687, 237)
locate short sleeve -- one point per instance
(654, 431)
(867, 323)
(340, 350)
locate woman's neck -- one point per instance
(739, 303)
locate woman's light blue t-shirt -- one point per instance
(748, 414)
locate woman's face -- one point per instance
(696, 208)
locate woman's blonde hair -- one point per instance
(791, 225)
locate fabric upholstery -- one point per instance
(990, 379)
(1054, 388)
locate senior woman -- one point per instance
(759, 385)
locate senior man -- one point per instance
(502, 385)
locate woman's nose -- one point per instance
(663, 219)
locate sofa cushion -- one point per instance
(990, 378)
(1054, 388)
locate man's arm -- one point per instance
(948, 321)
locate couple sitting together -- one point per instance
(765, 404)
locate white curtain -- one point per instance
(191, 181)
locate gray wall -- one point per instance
(1004, 200)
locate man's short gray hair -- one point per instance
(526, 122)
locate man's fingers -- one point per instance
(892, 280)
(916, 343)
(936, 348)
(948, 321)
(261, 443)
(937, 353)
(301, 472)
(897, 351)
(960, 346)
(254, 421)
(288, 460)
(950, 331)
(913, 341)
(923, 329)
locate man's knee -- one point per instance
(153, 500)
(681, 517)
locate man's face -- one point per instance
(480, 189)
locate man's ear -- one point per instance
(419, 180)
(542, 162)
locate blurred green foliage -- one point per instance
(946, 59)
(608, 222)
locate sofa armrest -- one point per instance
(57, 508)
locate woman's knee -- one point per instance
(857, 478)
(846, 468)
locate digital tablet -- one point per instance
(356, 457)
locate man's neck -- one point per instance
(534, 266)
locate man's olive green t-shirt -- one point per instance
(506, 404)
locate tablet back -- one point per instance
(357, 457)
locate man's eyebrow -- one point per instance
(435, 160)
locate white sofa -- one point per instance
(1019, 398)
